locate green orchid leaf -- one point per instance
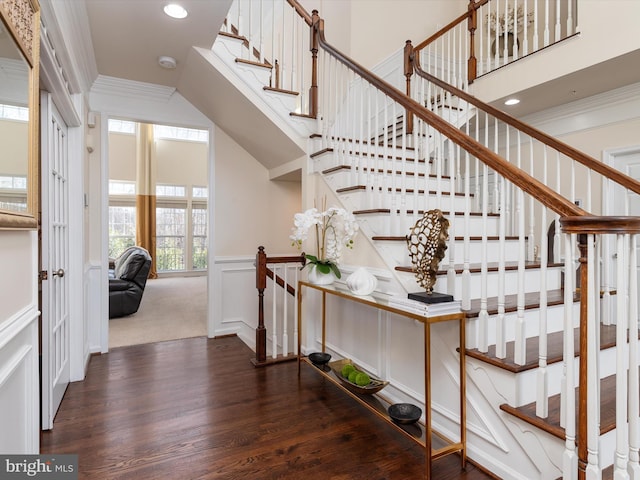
(335, 270)
(323, 268)
(312, 258)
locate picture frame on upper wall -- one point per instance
(19, 114)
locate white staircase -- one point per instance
(388, 178)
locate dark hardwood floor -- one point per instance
(198, 409)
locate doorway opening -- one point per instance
(158, 199)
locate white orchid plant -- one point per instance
(335, 229)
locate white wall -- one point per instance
(19, 381)
(371, 30)
(250, 209)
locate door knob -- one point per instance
(59, 273)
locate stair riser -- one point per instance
(555, 323)
(380, 224)
(531, 282)
(525, 382)
(228, 48)
(399, 253)
(363, 200)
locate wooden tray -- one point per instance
(374, 386)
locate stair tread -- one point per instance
(397, 238)
(491, 267)
(420, 212)
(399, 190)
(280, 90)
(338, 168)
(554, 350)
(551, 424)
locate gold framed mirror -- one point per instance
(19, 113)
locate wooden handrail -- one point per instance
(571, 152)
(262, 273)
(301, 11)
(521, 179)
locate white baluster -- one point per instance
(568, 393)
(285, 301)
(451, 271)
(593, 471)
(274, 319)
(296, 271)
(520, 347)
(622, 448)
(483, 316)
(542, 391)
(501, 340)
(634, 387)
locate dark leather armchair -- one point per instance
(127, 282)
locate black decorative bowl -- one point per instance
(404, 413)
(319, 358)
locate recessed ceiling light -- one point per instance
(174, 10)
(167, 62)
(512, 101)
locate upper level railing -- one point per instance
(406, 155)
(493, 33)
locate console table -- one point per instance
(435, 444)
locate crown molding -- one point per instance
(615, 106)
(66, 25)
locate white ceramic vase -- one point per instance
(362, 282)
(319, 278)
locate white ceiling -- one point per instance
(129, 35)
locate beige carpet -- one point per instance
(171, 308)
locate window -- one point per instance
(199, 236)
(12, 112)
(13, 192)
(122, 229)
(180, 133)
(170, 238)
(122, 126)
(170, 190)
(122, 187)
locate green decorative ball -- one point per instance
(353, 375)
(347, 369)
(362, 379)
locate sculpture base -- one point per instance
(433, 297)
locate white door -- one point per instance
(618, 201)
(55, 260)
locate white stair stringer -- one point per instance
(252, 79)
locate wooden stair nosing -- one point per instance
(554, 350)
(420, 212)
(280, 90)
(491, 267)
(338, 168)
(365, 142)
(457, 239)
(551, 424)
(399, 190)
(255, 64)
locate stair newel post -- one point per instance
(621, 456)
(408, 73)
(472, 22)
(316, 24)
(261, 285)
